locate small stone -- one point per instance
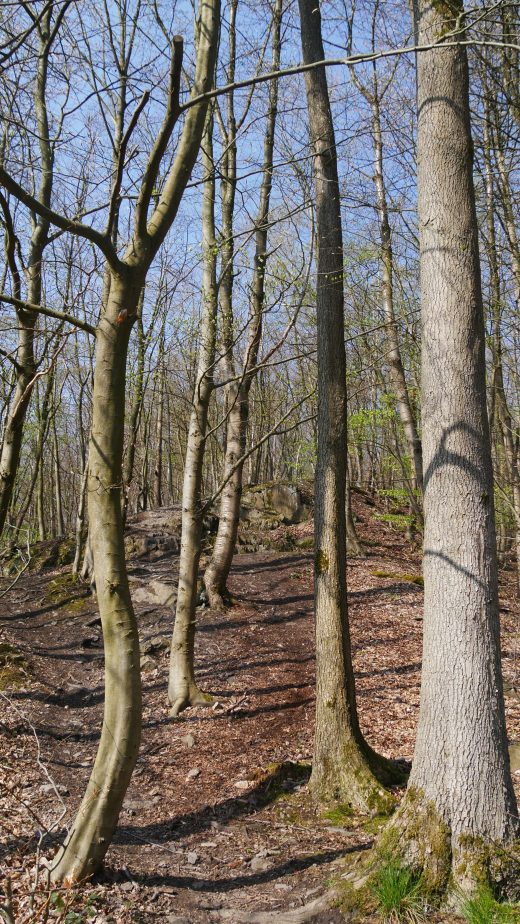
(259, 864)
(192, 858)
(282, 886)
(242, 784)
(50, 787)
(188, 740)
(127, 886)
(193, 774)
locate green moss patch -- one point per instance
(64, 590)
(13, 667)
(400, 576)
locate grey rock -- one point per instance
(193, 774)
(160, 593)
(188, 740)
(156, 643)
(50, 787)
(146, 663)
(259, 864)
(192, 857)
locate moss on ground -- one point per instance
(400, 576)
(13, 667)
(63, 591)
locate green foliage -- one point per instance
(62, 906)
(399, 576)
(397, 892)
(482, 908)
(398, 521)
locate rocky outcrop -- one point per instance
(281, 501)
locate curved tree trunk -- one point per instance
(459, 812)
(182, 687)
(342, 760)
(117, 753)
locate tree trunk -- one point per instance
(60, 519)
(118, 747)
(158, 469)
(182, 687)
(459, 811)
(237, 393)
(26, 368)
(80, 520)
(397, 376)
(341, 766)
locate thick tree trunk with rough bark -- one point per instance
(341, 765)
(459, 815)
(182, 687)
(117, 753)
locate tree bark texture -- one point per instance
(341, 767)
(459, 808)
(117, 753)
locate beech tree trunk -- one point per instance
(459, 812)
(342, 760)
(182, 688)
(237, 393)
(97, 817)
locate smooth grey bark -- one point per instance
(342, 761)
(135, 412)
(459, 813)
(182, 687)
(237, 392)
(97, 817)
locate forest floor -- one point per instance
(217, 822)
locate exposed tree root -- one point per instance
(449, 866)
(298, 916)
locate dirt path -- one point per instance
(216, 816)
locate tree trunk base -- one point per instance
(350, 781)
(450, 867)
(218, 598)
(190, 696)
